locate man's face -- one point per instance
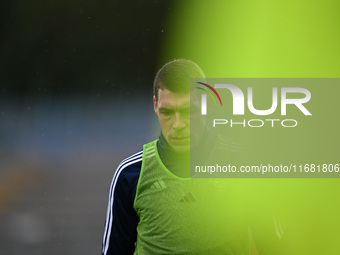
(173, 111)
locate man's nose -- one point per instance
(179, 122)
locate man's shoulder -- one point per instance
(131, 160)
(130, 167)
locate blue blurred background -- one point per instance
(75, 99)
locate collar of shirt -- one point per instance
(176, 162)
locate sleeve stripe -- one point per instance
(109, 216)
(125, 163)
(134, 156)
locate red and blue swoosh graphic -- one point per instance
(208, 92)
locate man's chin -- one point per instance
(181, 148)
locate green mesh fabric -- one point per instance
(183, 215)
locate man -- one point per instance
(172, 106)
(154, 208)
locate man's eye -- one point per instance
(165, 112)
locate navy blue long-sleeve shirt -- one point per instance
(121, 221)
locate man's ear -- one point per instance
(155, 104)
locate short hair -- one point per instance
(175, 76)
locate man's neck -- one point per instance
(179, 162)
